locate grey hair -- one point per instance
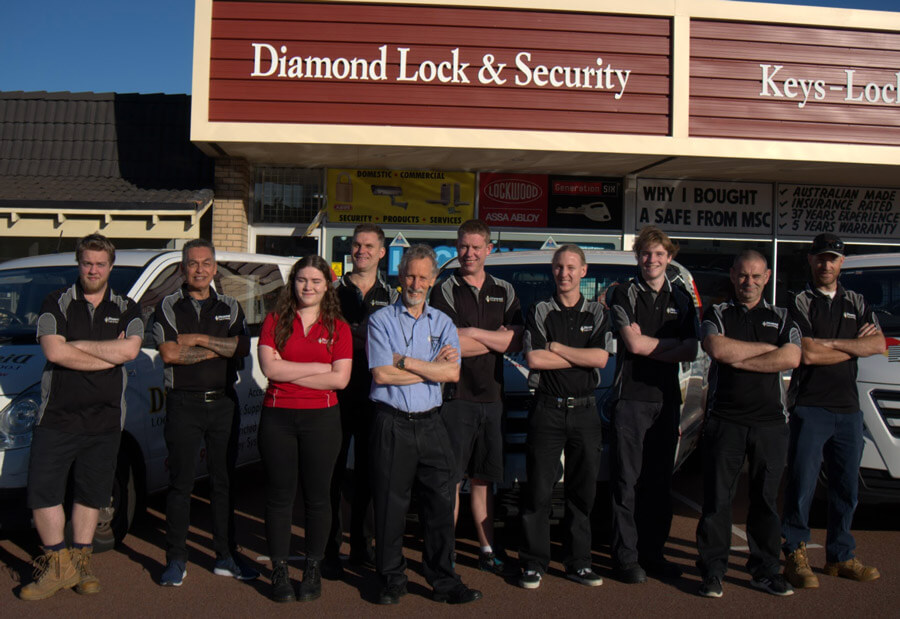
(418, 252)
(196, 243)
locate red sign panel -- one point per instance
(513, 199)
(296, 62)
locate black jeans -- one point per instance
(643, 442)
(725, 444)
(300, 443)
(357, 414)
(551, 431)
(190, 420)
(409, 453)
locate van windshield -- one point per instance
(22, 292)
(881, 288)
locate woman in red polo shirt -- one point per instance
(305, 350)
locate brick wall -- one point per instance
(230, 226)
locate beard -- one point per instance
(93, 286)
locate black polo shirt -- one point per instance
(356, 310)
(76, 401)
(219, 315)
(817, 315)
(668, 314)
(741, 396)
(585, 325)
(493, 306)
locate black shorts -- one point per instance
(476, 436)
(54, 452)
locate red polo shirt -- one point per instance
(315, 347)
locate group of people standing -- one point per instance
(415, 379)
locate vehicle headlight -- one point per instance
(17, 419)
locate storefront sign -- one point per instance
(439, 66)
(862, 213)
(391, 197)
(805, 86)
(704, 207)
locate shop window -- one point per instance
(286, 195)
(255, 285)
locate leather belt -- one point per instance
(396, 412)
(205, 396)
(549, 400)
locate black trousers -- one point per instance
(725, 444)
(304, 444)
(552, 431)
(406, 454)
(357, 414)
(189, 421)
(644, 439)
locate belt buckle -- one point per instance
(570, 402)
(209, 396)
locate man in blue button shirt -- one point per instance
(412, 349)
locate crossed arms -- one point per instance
(825, 351)
(474, 341)
(444, 369)
(312, 375)
(557, 356)
(669, 350)
(752, 356)
(196, 347)
(90, 355)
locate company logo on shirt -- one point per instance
(672, 311)
(490, 299)
(324, 340)
(111, 320)
(849, 316)
(587, 328)
(221, 317)
(769, 323)
(380, 303)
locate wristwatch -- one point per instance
(401, 363)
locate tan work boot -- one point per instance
(852, 569)
(53, 571)
(797, 570)
(88, 583)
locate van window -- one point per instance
(881, 289)
(534, 282)
(254, 285)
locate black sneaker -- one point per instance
(585, 576)
(776, 585)
(530, 579)
(332, 568)
(282, 591)
(631, 574)
(391, 594)
(460, 594)
(711, 587)
(489, 562)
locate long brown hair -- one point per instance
(287, 305)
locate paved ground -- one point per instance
(128, 575)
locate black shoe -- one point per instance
(631, 574)
(460, 594)
(776, 585)
(391, 594)
(332, 568)
(282, 591)
(711, 587)
(662, 568)
(311, 585)
(489, 562)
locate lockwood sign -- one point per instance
(699, 206)
(850, 212)
(439, 66)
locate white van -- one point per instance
(147, 276)
(530, 274)
(877, 278)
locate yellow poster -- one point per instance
(391, 197)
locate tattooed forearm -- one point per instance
(188, 355)
(222, 346)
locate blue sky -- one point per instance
(130, 45)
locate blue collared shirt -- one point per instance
(394, 330)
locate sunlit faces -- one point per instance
(568, 269)
(826, 269)
(473, 249)
(93, 270)
(310, 285)
(199, 268)
(415, 282)
(365, 251)
(749, 277)
(653, 260)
